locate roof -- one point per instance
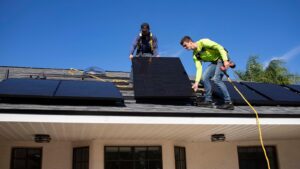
(131, 107)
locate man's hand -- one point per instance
(195, 86)
(226, 64)
(130, 56)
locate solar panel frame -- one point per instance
(278, 94)
(160, 78)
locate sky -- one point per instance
(79, 34)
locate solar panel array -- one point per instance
(278, 94)
(60, 92)
(157, 79)
(252, 96)
(263, 94)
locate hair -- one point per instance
(145, 25)
(185, 39)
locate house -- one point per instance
(141, 136)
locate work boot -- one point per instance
(205, 104)
(227, 106)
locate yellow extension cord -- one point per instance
(257, 120)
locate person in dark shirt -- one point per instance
(145, 43)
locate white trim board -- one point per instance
(145, 120)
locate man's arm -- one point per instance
(155, 46)
(198, 65)
(199, 71)
(133, 47)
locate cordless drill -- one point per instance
(231, 65)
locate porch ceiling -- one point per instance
(24, 131)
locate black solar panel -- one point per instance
(278, 94)
(59, 92)
(253, 97)
(28, 87)
(160, 78)
(295, 88)
(90, 90)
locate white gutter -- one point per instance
(145, 120)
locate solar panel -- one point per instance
(295, 88)
(253, 97)
(89, 90)
(278, 94)
(160, 78)
(28, 87)
(59, 92)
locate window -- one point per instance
(133, 157)
(253, 157)
(26, 158)
(180, 160)
(81, 158)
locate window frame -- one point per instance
(257, 149)
(133, 159)
(12, 158)
(74, 162)
(181, 161)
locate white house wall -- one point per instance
(56, 155)
(224, 155)
(200, 155)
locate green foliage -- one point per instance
(275, 72)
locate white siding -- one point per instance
(200, 155)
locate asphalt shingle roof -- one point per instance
(131, 107)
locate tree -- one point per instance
(254, 70)
(275, 72)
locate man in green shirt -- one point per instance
(206, 50)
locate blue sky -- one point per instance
(80, 34)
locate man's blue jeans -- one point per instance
(214, 73)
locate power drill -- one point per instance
(231, 65)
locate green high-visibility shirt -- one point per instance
(210, 51)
